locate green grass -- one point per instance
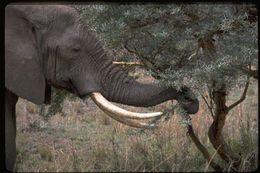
(85, 139)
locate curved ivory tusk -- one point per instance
(105, 105)
(130, 122)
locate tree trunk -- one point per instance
(203, 150)
(215, 131)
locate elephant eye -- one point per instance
(76, 49)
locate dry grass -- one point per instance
(85, 139)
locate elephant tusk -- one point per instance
(108, 107)
(130, 122)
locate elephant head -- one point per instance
(50, 45)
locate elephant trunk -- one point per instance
(120, 88)
(141, 95)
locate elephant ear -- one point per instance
(23, 73)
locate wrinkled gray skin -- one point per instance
(51, 46)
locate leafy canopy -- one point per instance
(189, 44)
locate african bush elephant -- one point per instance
(50, 45)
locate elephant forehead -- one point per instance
(67, 10)
(72, 33)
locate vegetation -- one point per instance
(85, 139)
(211, 48)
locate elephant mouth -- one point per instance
(71, 88)
(191, 106)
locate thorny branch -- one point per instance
(151, 21)
(251, 73)
(206, 43)
(187, 122)
(210, 108)
(127, 63)
(160, 49)
(215, 131)
(242, 98)
(203, 150)
(144, 59)
(164, 18)
(195, 52)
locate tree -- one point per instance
(211, 48)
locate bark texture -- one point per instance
(203, 150)
(215, 132)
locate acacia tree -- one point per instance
(211, 48)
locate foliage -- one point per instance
(166, 35)
(58, 97)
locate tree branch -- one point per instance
(215, 132)
(203, 150)
(144, 59)
(127, 63)
(207, 45)
(195, 53)
(151, 21)
(209, 107)
(160, 49)
(249, 72)
(242, 98)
